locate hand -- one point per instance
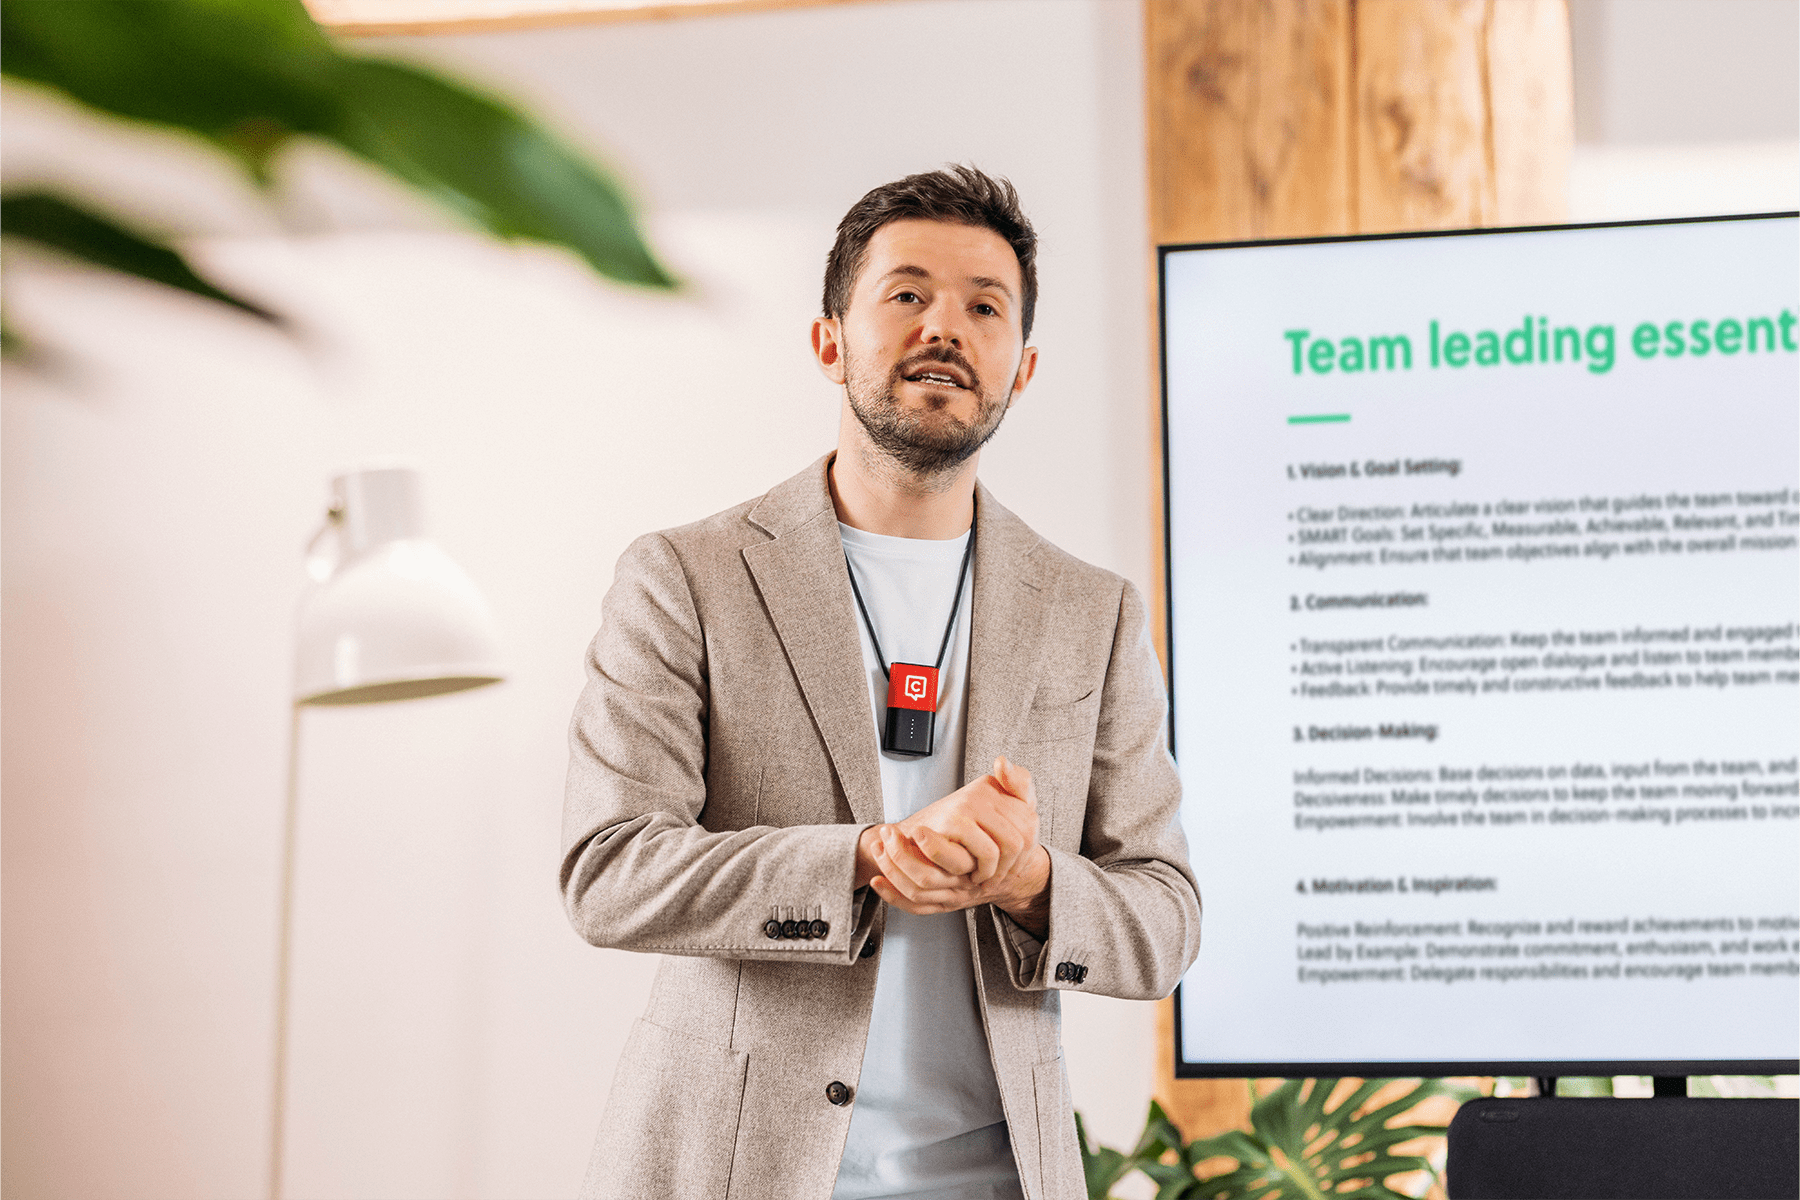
(977, 845)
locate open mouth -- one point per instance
(936, 377)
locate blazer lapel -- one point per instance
(806, 590)
(1013, 586)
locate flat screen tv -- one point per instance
(1483, 594)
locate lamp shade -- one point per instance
(388, 616)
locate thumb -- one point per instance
(1012, 779)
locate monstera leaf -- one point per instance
(1300, 1150)
(1297, 1149)
(1102, 1166)
(248, 76)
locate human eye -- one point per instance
(984, 309)
(906, 296)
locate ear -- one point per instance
(1027, 368)
(828, 347)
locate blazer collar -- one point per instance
(1015, 578)
(801, 575)
(805, 586)
(793, 503)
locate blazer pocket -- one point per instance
(671, 1119)
(1054, 719)
(1059, 1159)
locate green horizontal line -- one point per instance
(1321, 419)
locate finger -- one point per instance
(904, 859)
(1014, 830)
(988, 823)
(884, 888)
(980, 846)
(896, 880)
(947, 853)
(1015, 780)
(936, 892)
(1009, 858)
(918, 865)
(966, 833)
(939, 900)
(886, 852)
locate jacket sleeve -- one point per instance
(1125, 912)
(639, 872)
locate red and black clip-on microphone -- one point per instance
(911, 709)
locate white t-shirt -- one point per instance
(927, 1122)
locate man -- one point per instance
(779, 774)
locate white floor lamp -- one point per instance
(388, 616)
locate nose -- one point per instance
(944, 322)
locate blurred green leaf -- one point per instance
(483, 160)
(247, 75)
(55, 222)
(1297, 1148)
(1584, 1085)
(1101, 1166)
(1300, 1150)
(244, 74)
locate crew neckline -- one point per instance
(862, 539)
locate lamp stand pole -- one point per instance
(284, 955)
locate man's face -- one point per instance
(930, 350)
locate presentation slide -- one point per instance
(1483, 599)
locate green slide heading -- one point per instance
(1535, 340)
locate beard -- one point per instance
(927, 442)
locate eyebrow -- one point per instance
(980, 281)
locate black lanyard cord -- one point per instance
(962, 576)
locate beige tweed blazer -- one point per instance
(724, 760)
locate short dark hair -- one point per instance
(960, 195)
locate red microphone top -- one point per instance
(912, 686)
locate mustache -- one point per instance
(942, 354)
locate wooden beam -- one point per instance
(1531, 111)
(1248, 118)
(379, 18)
(1423, 140)
(1302, 118)
(1305, 118)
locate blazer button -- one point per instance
(870, 947)
(821, 928)
(837, 1093)
(787, 929)
(772, 929)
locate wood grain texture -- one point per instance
(1298, 118)
(1196, 59)
(1423, 152)
(1300, 129)
(1247, 118)
(1531, 101)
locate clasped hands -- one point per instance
(978, 845)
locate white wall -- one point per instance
(1685, 108)
(1671, 72)
(451, 1036)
